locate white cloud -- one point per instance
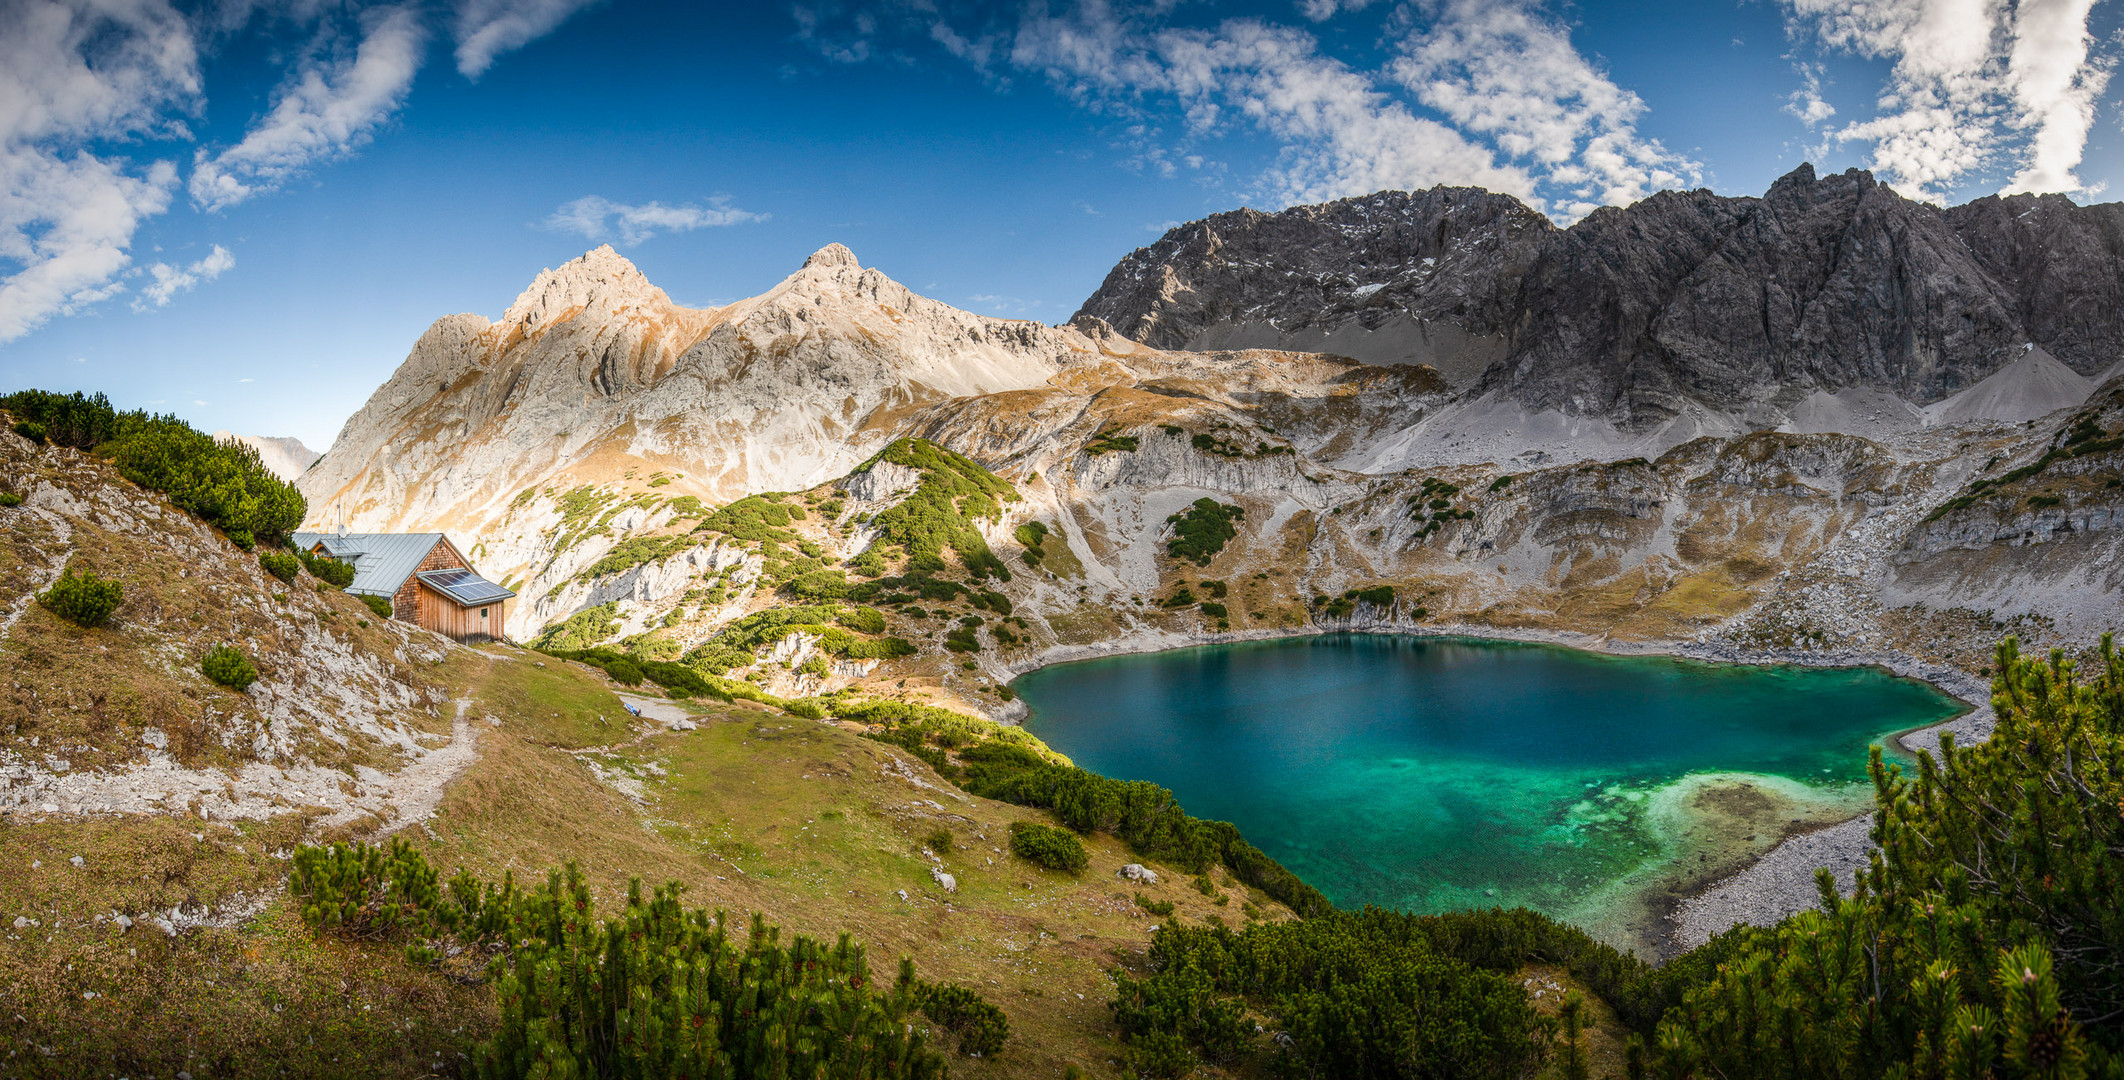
(74, 71)
(1323, 10)
(487, 28)
(1807, 103)
(170, 280)
(597, 218)
(1487, 93)
(1507, 72)
(2056, 86)
(1341, 135)
(326, 110)
(1975, 84)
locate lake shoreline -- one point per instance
(1777, 883)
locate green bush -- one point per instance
(654, 991)
(225, 483)
(1356, 994)
(381, 605)
(981, 1027)
(954, 492)
(75, 420)
(1202, 530)
(1048, 846)
(581, 630)
(1159, 908)
(625, 672)
(31, 430)
(224, 665)
(1981, 940)
(863, 620)
(280, 564)
(9, 498)
(82, 599)
(329, 570)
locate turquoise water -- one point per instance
(1430, 774)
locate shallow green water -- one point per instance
(1429, 774)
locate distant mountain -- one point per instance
(1686, 304)
(580, 446)
(285, 455)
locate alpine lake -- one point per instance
(1430, 774)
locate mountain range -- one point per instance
(1828, 421)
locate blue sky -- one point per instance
(245, 212)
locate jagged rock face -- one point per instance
(593, 372)
(1683, 301)
(1394, 277)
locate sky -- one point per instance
(246, 212)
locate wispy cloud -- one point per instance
(327, 109)
(170, 280)
(72, 72)
(486, 29)
(1507, 72)
(84, 82)
(597, 218)
(1340, 133)
(1976, 85)
(1488, 93)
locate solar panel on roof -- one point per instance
(465, 587)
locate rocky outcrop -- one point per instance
(1684, 302)
(1396, 277)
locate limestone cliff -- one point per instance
(596, 448)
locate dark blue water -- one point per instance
(1431, 774)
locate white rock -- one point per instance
(1138, 872)
(950, 883)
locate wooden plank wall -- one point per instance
(443, 615)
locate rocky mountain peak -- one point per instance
(831, 256)
(600, 275)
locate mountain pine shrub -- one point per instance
(654, 991)
(31, 430)
(280, 564)
(1048, 846)
(1202, 530)
(1985, 938)
(224, 665)
(380, 605)
(82, 599)
(327, 569)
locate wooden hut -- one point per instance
(428, 581)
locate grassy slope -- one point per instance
(755, 811)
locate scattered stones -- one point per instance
(78, 862)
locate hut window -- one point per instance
(482, 613)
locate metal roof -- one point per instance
(382, 561)
(464, 586)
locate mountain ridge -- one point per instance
(1641, 314)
